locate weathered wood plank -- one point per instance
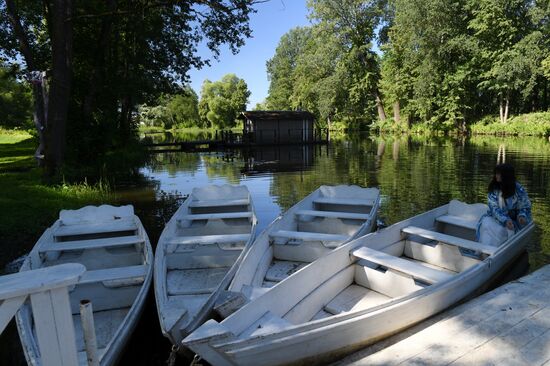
(92, 243)
(334, 214)
(344, 201)
(507, 326)
(105, 227)
(43, 279)
(449, 239)
(416, 270)
(308, 236)
(111, 274)
(218, 203)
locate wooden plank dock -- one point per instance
(507, 326)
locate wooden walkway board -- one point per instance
(507, 326)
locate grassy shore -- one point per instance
(27, 204)
(530, 124)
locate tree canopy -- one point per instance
(104, 58)
(441, 63)
(221, 101)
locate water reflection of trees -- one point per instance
(175, 162)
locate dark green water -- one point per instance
(413, 175)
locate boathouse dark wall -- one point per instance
(278, 127)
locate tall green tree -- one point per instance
(281, 67)
(221, 101)
(103, 58)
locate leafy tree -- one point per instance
(281, 67)
(15, 101)
(222, 101)
(106, 57)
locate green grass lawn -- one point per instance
(28, 205)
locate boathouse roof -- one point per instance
(275, 115)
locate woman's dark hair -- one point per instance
(508, 180)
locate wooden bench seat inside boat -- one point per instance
(96, 228)
(414, 269)
(217, 216)
(334, 214)
(344, 201)
(118, 241)
(219, 203)
(457, 221)
(449, 239)
(288, 236)
(114, 274)
(209, 239)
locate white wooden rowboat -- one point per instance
(322, 221)
(113, 246)
(198, 254)
(361, 292)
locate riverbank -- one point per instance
(530, 124)
(29, 205)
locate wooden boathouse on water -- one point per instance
(278, 127)
(260, 128)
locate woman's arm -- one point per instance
(523, 204)
(496, 212)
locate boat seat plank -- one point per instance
(457, 221)
(279, 270)
(209, 239)
(219, 203)
(92, 243)
(334, 214)
(413, 269)
(95, 228)
(449, 239)
(344, 201)
(217, 216)
(308, 236)
(113, 274)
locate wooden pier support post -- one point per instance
(88, 328)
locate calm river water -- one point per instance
(413, 175)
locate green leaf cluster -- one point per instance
(221, 101)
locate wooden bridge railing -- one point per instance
(48, 291)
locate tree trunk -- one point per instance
(501, 110)
(380, 107)
(545, 95)
(506, 108)
(60, 89)
(98, 73)
(396, 112)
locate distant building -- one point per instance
(278, 127)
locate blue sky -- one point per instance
(273, 19)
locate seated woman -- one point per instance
(509, 207)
